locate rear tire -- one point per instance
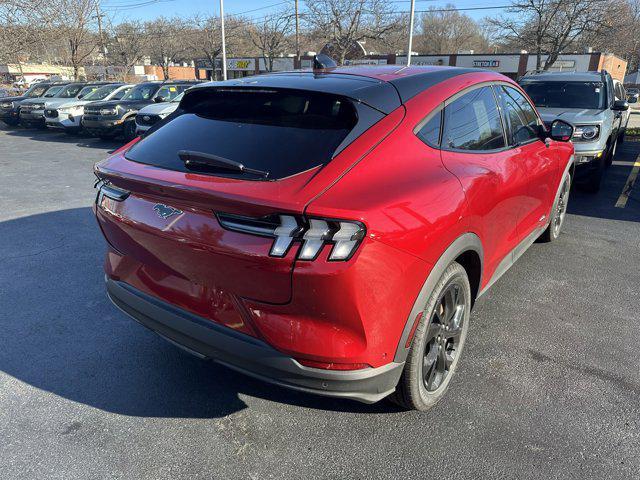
(437, 343)
(558, 211)
(129, 130)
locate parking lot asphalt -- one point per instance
(548, 386)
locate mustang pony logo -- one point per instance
(165, 211)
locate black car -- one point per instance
(10, 107)
(115, 117)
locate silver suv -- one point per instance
(594, 105)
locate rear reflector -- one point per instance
(333, 366)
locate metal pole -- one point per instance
(101, 38)
(224, 46)
(413, 6)
(297, 37)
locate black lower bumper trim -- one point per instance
(247, 354)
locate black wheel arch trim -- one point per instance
(466, 242)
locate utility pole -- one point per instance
(413, 6)
(103, 48)
(297, 37)
(224, 46)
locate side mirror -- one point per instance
(80, 96)
(561, 131)
(620, 105)
(632, 99)
(159, 99)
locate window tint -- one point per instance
(121, 93)
(280, 131)
(472, 122)
(566, 94)
(521, 118)
(141, 92)
(430, 132)
(169, 92)
(100, 93)
(69, 91)
(87, 90)
(53, 91)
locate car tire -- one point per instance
(612, 152)
(129, 130)
(437, 343)
(558, 211)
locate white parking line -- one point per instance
(623, 164)
(626, 190)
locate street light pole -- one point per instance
(297, 37)
(224, 46)
(413, 6)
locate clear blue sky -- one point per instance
(149, 9)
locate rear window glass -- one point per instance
(282, 132)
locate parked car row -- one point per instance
(103, 109)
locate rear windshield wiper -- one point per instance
(193, 159)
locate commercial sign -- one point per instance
(242, 64)
(564, 64)
(486, 63)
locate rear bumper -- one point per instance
(248, 355)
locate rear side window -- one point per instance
(279, 131)
(520, 116)
(430, 131)
(472, 122)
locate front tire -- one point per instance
(437, 343)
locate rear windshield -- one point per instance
(589, 95)
(282, 132)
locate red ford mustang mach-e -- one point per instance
(329, 231)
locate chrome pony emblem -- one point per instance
(165, 211)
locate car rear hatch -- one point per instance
(162, 201)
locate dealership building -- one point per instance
(513, 65)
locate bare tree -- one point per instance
(342, 23)
(127, 44)
(168, 41)
(74, 23)
(621, 36)
(270, 36)
(446, 30)
(22, 27)
(206, 41)
(551, 26)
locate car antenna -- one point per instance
(322, 61)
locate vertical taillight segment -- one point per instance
(314, 233)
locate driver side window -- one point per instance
(521, 118)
